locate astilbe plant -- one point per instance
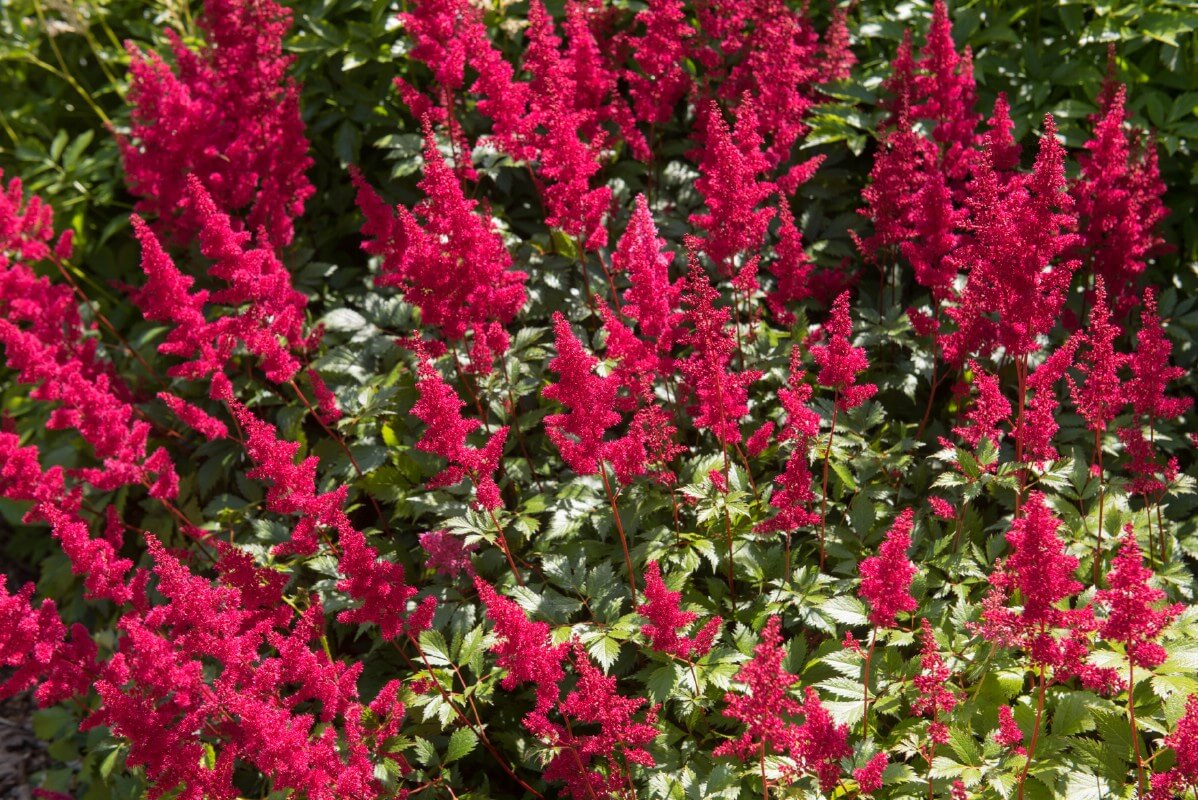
(363, 537)
(226, 115)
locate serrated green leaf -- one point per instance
(461, 743)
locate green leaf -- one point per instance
(846, 477)
(846, 610)
(434, 647)
(963, 744)
(461, 743)
(662, 681)
(1072, 714)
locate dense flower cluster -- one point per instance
(380, 560)
(226, 115)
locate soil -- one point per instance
(21, 754)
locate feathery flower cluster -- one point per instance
(765, 705)
(268, 313)
(721, 395)
(619, 741)
(1100, 397)
(732, 162)
(158, 695)
(1041, 571)
(588, 398)
(1018, 255)
(989, 409)
(524, 649)
(32, 646)
(650, 299)
(447, 259)
(886, 577)
(448, 555)
(46, 343)
(793, 495)
(1008, 733)
(935, 698)
(1151, 371)
(660, 80)
(666, 619)
(445, 434)
(839, 362)
(227, 115)
(869, 777)
(1183, 741)
(1134, 620)
(1119, 206)
(1039, 424)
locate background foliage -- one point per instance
(63, 77)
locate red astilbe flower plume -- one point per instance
(790, 267)
(636, 362)
(227, 114)
(930, 250)
(1150, 477)
(886, 577)
(838, 57)
(1005, 152)
(1042, 572)
(225, 667)
(839, 362)
(445, 434)
(729, 170)
(256, 279)
(1040, 416)
(654, 428)
(195, 417)
(777, 66)
(1038, 566)
(1134, 618)
(32, 646)
(380, 587)
(619, 741)
(1183, 741)
(97, 559)
(264, 312)
(589, 400)
(869, 777)
(565, 159)
(666, 619)
(946, 87)
(721, 396)
(1018, 276)
(46, 343)
(820, 743)
(899, 85)
(524, 649)
(1100, 397)
(793, 495)
(1150, 368)
(660, 80)
(448, 554)
(1008, 733)
(377, 584)
(448, 35)
(22, 478)
(1119, 206)
(765, 704)
(595, 80)
(935, 699)
(650, 299)
(989, 409)
(447, 259)
(903, 161)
